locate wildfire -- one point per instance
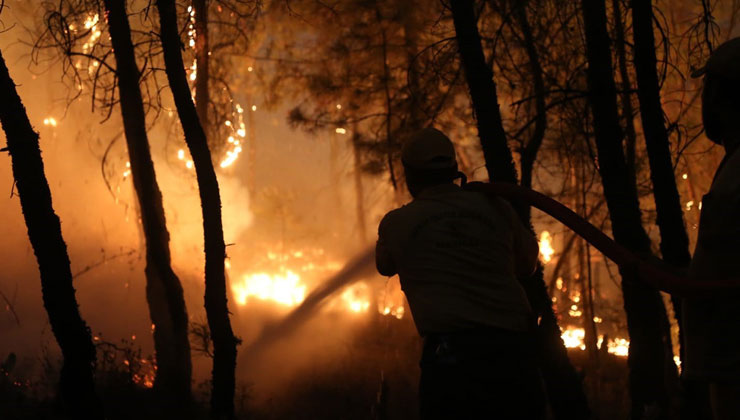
(619, 347)
(287, 287)
(355, 298)
(574, 337)
(546, 249)
(238, 129)
(284, 288)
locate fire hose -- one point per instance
(648, 272)
(644, 270)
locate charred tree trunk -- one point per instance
(76, 383)
(202, 63)
(217, 311)
(643, 304)
(674, 241)
(564, 387)
(163, 289)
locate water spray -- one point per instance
(361, 265)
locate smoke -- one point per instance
(299, 200)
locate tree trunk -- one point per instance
(643, 304)
(76, 383)
(217, 311)
(359, 191)
(529, 152)
(202, 63)
(499, 162)
(626, 97)
(563, 384)
(674, 241)
(163, 289)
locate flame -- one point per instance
(284, 288)
(91, 21)
(619, 347)
(355, 298)
(575, 337)
(289, 282)
(546, 249)
(235, 145)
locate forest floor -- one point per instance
(376, 379)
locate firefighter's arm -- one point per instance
(383, 258)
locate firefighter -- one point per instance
(712, 325)
(459, 254)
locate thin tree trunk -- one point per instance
(252, 151)
(564, 387)
(202, 63)
(674, 241)
(359, 191)
(643, 304)
(76, 382)
(529, 152)
(163, 289)
(626, 97)
(415, 115)
(217, 311)
(389, 114)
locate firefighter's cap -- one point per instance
(428, 148)
(723, 62)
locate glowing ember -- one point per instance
(546, 249)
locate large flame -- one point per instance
(546, 249)
(284, 288)
(287, 285)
